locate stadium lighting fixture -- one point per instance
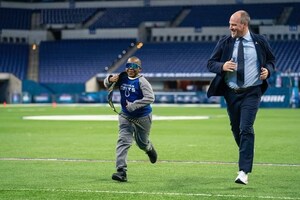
(34, 47)
(139, 45)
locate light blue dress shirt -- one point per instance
(252, 69)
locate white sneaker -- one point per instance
(242, 178)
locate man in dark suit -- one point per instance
(242, 62)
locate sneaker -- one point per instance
(242, 178)
(152, 155)
(120, 176)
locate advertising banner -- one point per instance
(92, 97)
(42, 98)
(276, 98)
(65, 98)
(26, 97)
(273, 98)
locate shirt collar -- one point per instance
(246, 37)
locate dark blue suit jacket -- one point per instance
(223, 52)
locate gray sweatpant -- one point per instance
(127, 131)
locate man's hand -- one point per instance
(264, 73)
(229, 66)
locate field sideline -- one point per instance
(74, 159)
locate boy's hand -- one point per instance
(129, 106)
(113, 78)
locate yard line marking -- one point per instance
(140, 161)
(151, 193)
(106, 117)
(195, 105)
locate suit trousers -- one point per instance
(242, 107)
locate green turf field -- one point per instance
(46, 159)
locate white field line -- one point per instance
(151, 193)
(106, 117)
(141, 161)
(116, 105)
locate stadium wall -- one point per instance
(119, 33)
(25, 36)
(281, 32)
(10, 87)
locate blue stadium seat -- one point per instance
(14, 59)
(134, 16)
(76, 61)
(14, 18)
(294, 18)
(66, 16)
(287, 55)
(198, 17)
(175, 57)
(192, 57)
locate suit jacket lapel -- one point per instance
(258, 49)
